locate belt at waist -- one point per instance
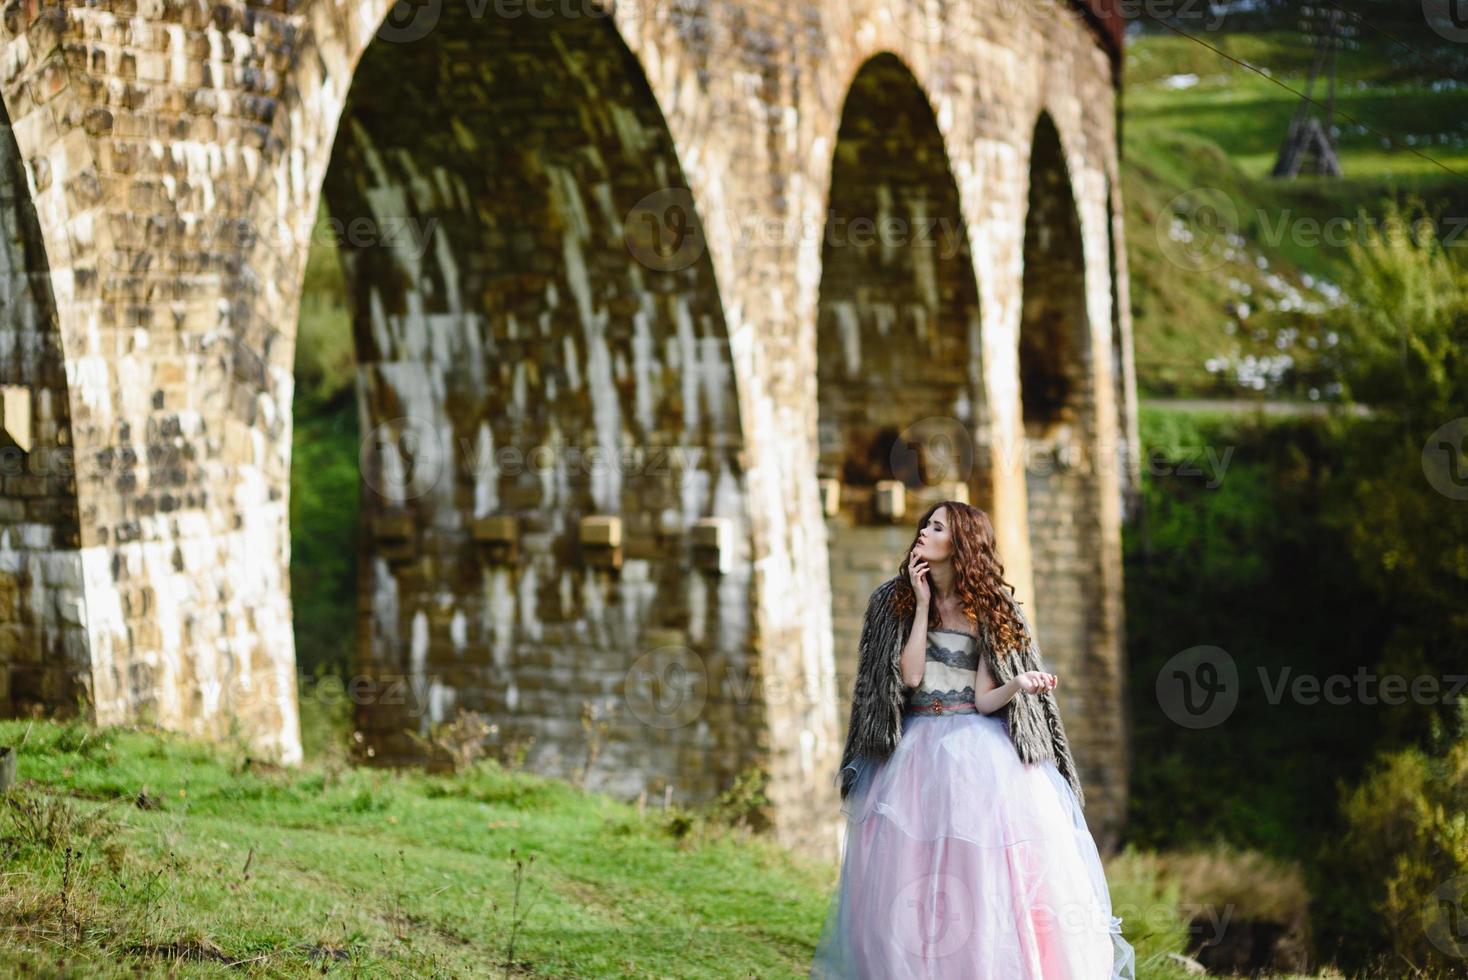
(937, 706)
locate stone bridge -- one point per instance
(670, 316)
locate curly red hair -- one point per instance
(978, 578)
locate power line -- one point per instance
(1393, 38)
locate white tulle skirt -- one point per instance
(962, 862)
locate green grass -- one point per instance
(1247, 114)
(410, 874)
(1224, 133)
(403, 872)
(395, 873)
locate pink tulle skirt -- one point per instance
(961, 861)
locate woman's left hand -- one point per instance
(1035, 681)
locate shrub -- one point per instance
(456, 745)
(1402, 863)
(1243, 909)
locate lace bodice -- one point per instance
(948, 674)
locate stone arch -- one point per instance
(1059, 403)
(44, 664)
(1116, 352)
(902, 411)
(1054, 355)
(1123, 365)
(68, 592)
(531, 287)
(176, 171)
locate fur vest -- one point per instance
(1032, 720)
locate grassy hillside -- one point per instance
(1247, 304)
(410, 874)
(131, 851)
(392, 873)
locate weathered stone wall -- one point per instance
(524, 334)
(1059, 383)
(900, 372)
(43, 651)
(176, 153)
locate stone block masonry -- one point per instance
(570, 234)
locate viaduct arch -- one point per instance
(168, 162)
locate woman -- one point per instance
(966, 853)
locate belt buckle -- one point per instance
(937, 706)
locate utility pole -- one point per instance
(1308, 136)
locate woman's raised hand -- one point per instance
(918, 572)
(1035, 681)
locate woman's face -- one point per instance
(935, 541)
